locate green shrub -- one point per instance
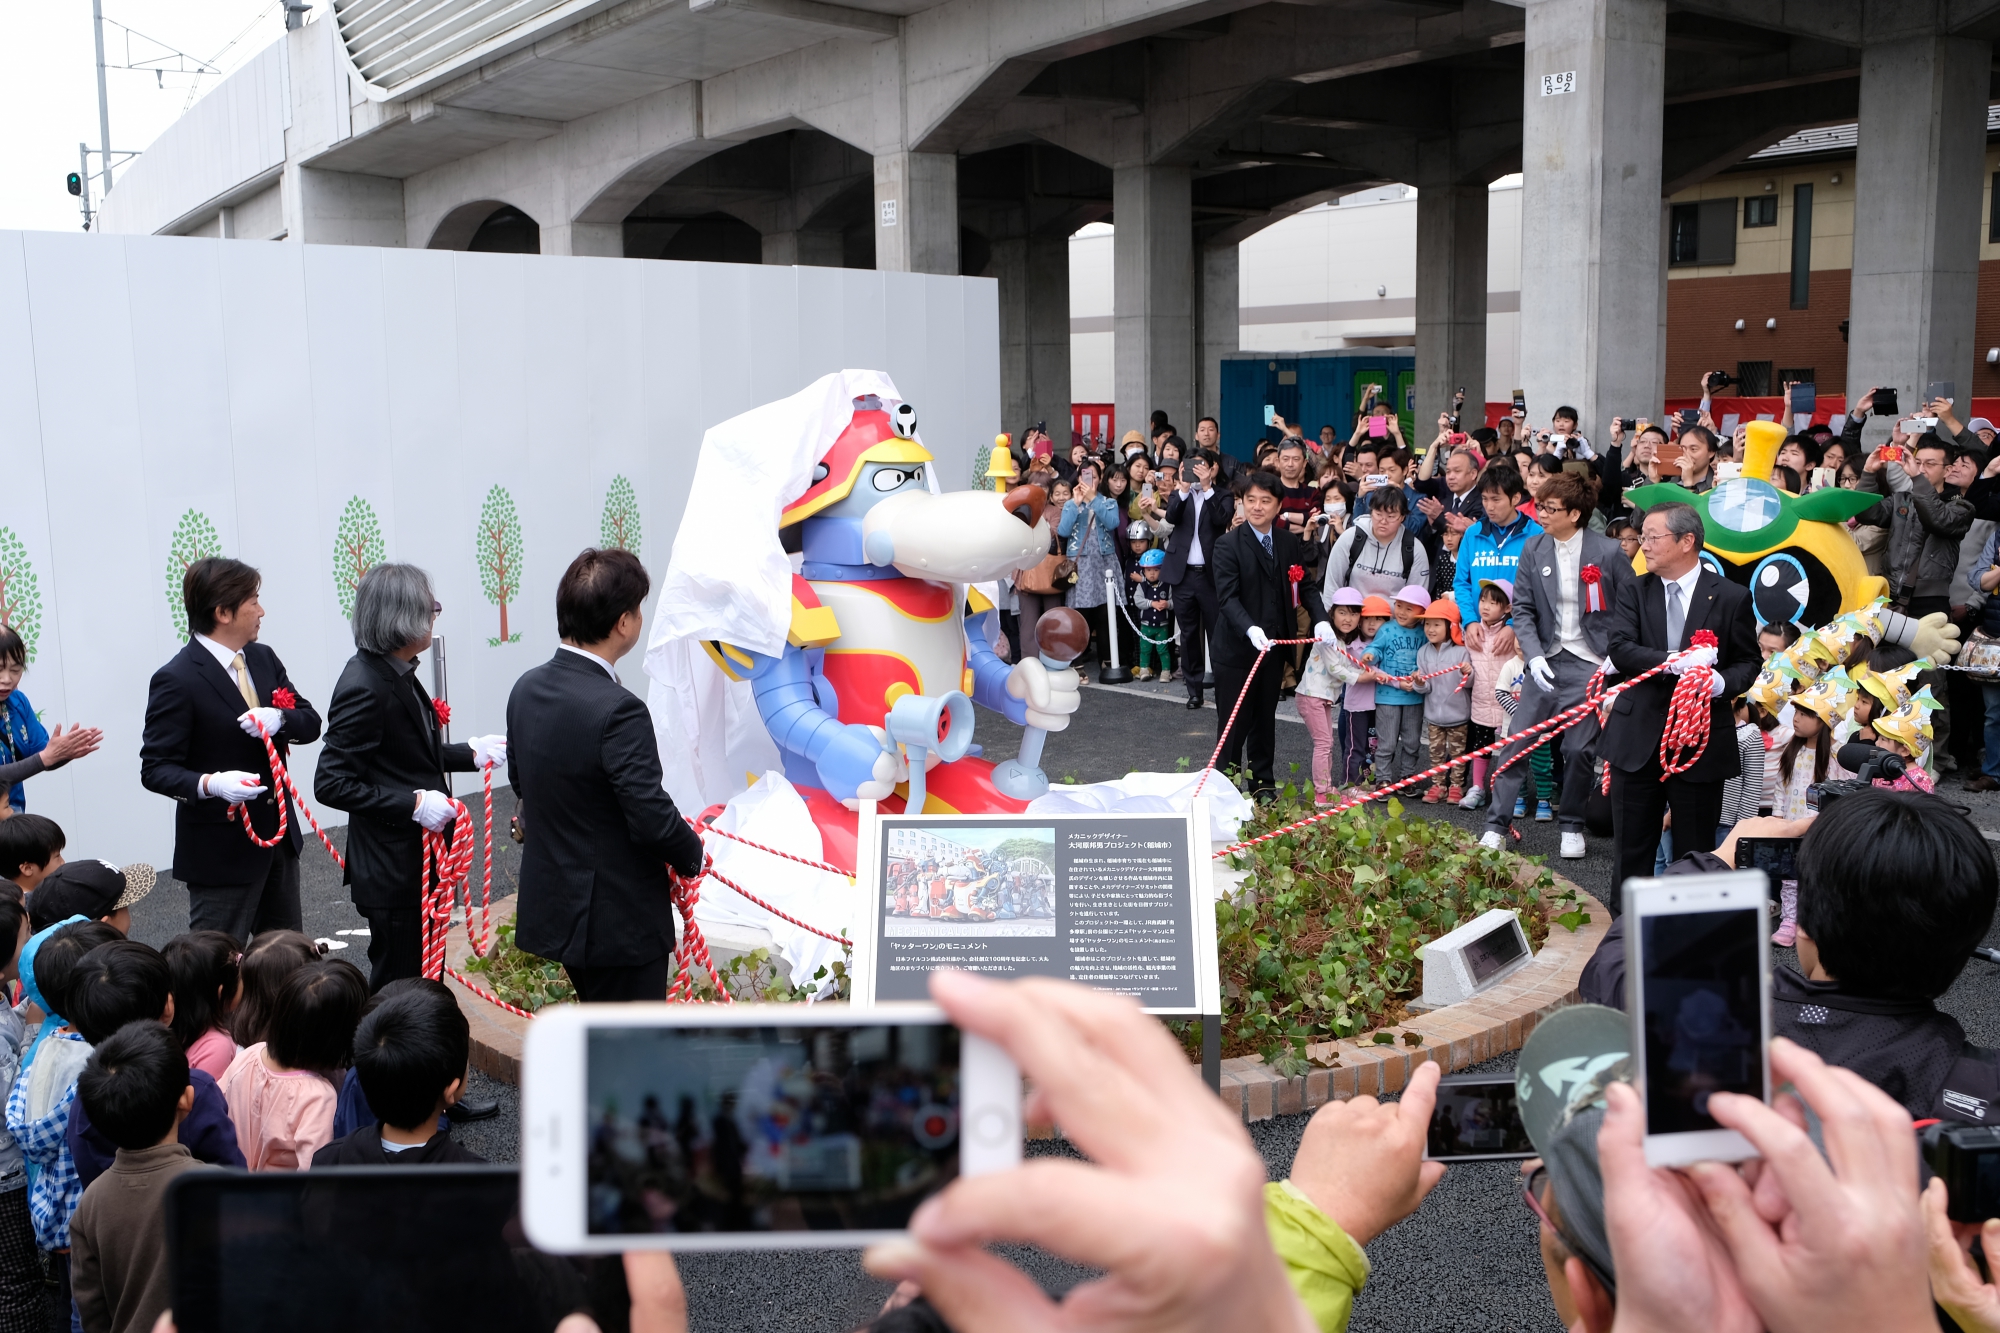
(532, 983)
(1323, 942)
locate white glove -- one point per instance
(434, 811)
(234, 786)
(1323, 633)
(1543, 673)
(489, 751)
(1259, 639)
(1051, 696)
(1694, 657)
(268, 719)
(1715, 684)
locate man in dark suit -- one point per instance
(601, 829)
(1657, 614)
(1563, 642)
(205, 712)
(1199, 515)
(1253, 593)
(385, 762)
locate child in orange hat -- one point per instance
(1447, 698)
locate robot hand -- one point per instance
(1051, 696)
(1936, 637)
(855, 766)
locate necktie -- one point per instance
(239, 669)
(1265, 538)
(1676, 616)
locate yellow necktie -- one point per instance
(241, 671)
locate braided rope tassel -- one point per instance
(1684, 739)
(692, 951)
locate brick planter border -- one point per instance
(1492, 1023)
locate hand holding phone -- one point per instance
(1378, 427)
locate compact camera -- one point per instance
(1967, 1159)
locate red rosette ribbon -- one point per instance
(1297, 575)
(1704, 638)
(284, 698)
(1593, 588)
(443, 711)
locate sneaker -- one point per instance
(1520, 807)
(1143, 673)
(1475, 799)
(1490, 840)
(1166, 678)
(1572, 848)
(1787, 933)
(1326, 796)
(1455, 795)
(1434, 795)
(1543, 813)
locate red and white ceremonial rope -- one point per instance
(1567, 717)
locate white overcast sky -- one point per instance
(48, 97)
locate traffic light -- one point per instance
(75, 183)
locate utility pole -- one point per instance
(83, 180)
(103, 99)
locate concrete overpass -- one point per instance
(973, 136)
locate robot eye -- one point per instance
(890, 478)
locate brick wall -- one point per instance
(1702, 315)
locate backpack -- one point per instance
(1360, 541)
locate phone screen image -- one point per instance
(762, 1129)
(361, 1247)
(1778, 858)
(1477, 1118)
(1378, 428)
(1703, 1013)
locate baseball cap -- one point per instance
(1564, 1067)
(89, 888)
(1415, 595)
(1979, 423)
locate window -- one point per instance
(1993, 214)
(1753, 379)
(1801, 246)
(1794, 375)
(1702, 233)
(1760, 210)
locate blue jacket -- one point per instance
(1413, 518)
(1395, 649)
(208, 1132)
(1103, 532)
(1487, 552)
(21, 735)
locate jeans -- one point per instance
(1991, 764)
(1318, 715)
(1399, 736)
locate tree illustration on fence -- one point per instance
(357, 548)
(20, 592)
(195, 538)
(500, 556)
(620, 527)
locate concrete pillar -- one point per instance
(1451, 290)
(1590, 209)
(1152, 297)
(606, 240)
(343, 208)
(1034, 333)
(916, 213)
(820, 249)
(1221, 326)
(1916, 216)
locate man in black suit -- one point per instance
(205, 712)
(601, 829)
(1658, 614)
(1199, 515)
(1254, 592)
(385, 762)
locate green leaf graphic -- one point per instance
(20, 591)
(499, 555)
(620, 528)
(357, 547)
(195, 538)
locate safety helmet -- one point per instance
(1152, 558)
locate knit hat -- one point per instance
(1348, 597)
(1505, 587)
(1376, 606)
(1415, 595)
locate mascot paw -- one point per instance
(1937, 637)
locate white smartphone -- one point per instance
(1698, 983)
(752, 1126)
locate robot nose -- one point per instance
(1026, 503)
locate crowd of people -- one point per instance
(1500, 551)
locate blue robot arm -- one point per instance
(788, 689)
(989, 673)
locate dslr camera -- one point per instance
(1967, 1159)
(1719, 379)
(1868, 763)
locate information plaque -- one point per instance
(1122, 902)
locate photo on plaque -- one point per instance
(945, 882)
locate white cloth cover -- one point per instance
(772, 812)
(730, 579)
(1152, 793)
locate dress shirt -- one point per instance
(589, 656)
(1687, 582)
(1196, 497)
(1569, 599)
(224, 657)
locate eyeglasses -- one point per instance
(1532, 1191)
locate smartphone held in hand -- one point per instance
(1698, 991)
(1477, 1119)
(686, 1127)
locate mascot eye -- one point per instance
(1780, 589)
(819, 473)
(1721, 570)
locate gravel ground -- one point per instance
(1466, 1260)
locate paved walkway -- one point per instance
(1467, 1260)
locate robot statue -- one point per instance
(888, 649)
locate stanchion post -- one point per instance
(1116, 673)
